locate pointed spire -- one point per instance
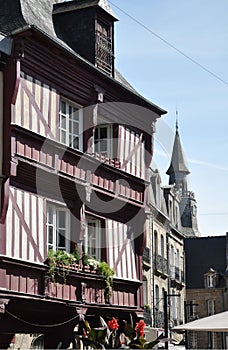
(177, 126)
(178, 163)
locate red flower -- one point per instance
(113, 324)
(140, 328)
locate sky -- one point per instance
(178, 59)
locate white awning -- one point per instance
(214, 323)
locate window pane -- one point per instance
(62, 219)
(76, 143)
(70, 127)
(75, 128)
(63, 122)
(50, 235)
(61, 239)
(103, 146)
(103, 133)
(63, 136)
(63, 107)
(50, 215)
(75, 115)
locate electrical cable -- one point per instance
(171, 45)
(40, 325)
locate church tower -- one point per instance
(178, 172)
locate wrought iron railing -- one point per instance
(146, 255)
(161, 264)
(159, 319)
(147, 316)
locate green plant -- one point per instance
(85, 258)
(109, 336)
(146, 307)
(59, 263)
(107, 272)
(76, 254)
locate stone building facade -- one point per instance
(206, 286)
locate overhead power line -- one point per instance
(170, 45)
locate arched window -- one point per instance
(172, 262)
(157, 297)
(178, 263)
(155, 242)
(162, 247)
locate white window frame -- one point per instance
(210, 281)
(88, 245)
(53, 223)
(97, 141)
(67, 128)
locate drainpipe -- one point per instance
(152, 268)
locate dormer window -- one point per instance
(104, 47)
(210, 278)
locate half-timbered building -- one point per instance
(76, 144)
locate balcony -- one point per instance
(82, 286)
(161, 266)
(177, 277)
(147, 316)
(86, 173)
(159, 319)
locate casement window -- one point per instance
(58, 227)
(103, 140)
(70, 125)
(92, 237)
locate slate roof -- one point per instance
(202, 254)
(178, 163)
(80, 4)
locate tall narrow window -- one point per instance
(92, 237)
(104, 49)
(103, 140)
(155, 243)
(58, 228)
(70, 125)
(172, 266)
(162, 247)
(157, 297)
(178, 265)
